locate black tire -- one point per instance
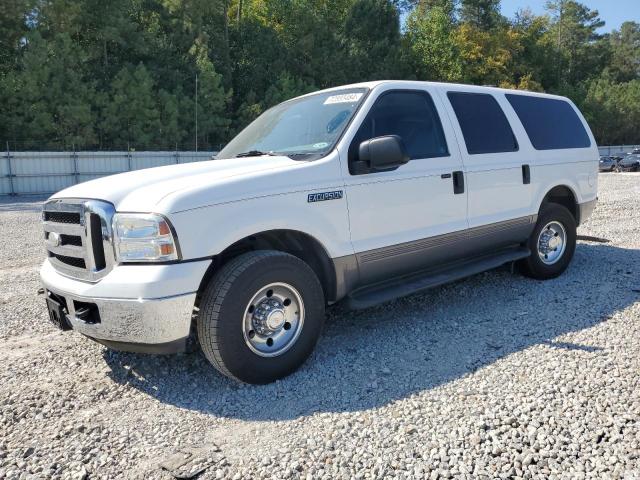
(222, 313)
(533, 266)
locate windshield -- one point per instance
(306, 127)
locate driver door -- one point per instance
(416, 215)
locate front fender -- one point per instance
(207, 231)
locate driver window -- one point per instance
(410, 115)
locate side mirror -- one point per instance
(381, 154)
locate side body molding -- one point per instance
(370, 267)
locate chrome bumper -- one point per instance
(142, 321)
(138, 306)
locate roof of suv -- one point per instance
(444, 85)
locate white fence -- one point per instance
(619, 149)
(48, 172)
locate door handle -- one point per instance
(445, 175)
(458, 182)
(526, 174)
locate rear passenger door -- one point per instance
(496, 164)
(391, 213)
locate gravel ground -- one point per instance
(496, 376)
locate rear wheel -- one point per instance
(260, 316)
(552, 243)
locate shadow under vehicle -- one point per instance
(425, 340)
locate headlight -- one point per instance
(144, 237)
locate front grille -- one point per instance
(72, 261)
(71, 240)
(96, 241)
(62, 217)
(78, 237)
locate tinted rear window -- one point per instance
(550, 123)
(484, 125)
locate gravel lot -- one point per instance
(496, 376)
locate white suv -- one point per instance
(362, 193)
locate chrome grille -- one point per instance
(78, 237)
(71, 261)
(71, 240)
(62, 217)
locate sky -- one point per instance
(613, 12)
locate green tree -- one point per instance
(430, 45)
(257, 63)
(212, 99)
(13, 27)
(173, 130)
(372, 30)
(573, 41)
(529, 61)
(482, 14)
(50, 97)
(487, 57)
(132, 117)
(613, 110)
(97, 74)
(625, 52)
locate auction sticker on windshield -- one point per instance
(343, 98)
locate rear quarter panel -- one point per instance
(575, 168)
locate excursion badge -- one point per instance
(324, 196)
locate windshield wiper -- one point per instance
(291, 155)
(253, 153)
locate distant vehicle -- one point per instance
(607, 164)
(630, 163)
(635, 151)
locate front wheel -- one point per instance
(552, 243)
(260, 316)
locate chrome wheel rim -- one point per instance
(552, 242)
(273, 319)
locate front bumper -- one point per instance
(141, 307)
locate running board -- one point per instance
(417, 282)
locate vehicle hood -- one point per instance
(158, 189)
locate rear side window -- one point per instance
(550, 123)
(410, 115)
(484, 125)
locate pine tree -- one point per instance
(625, 52)
(372, 30)
(482, 14)
(13, 28)
(52, 100)
(132, 117)
(573, 38)
(213, 122)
